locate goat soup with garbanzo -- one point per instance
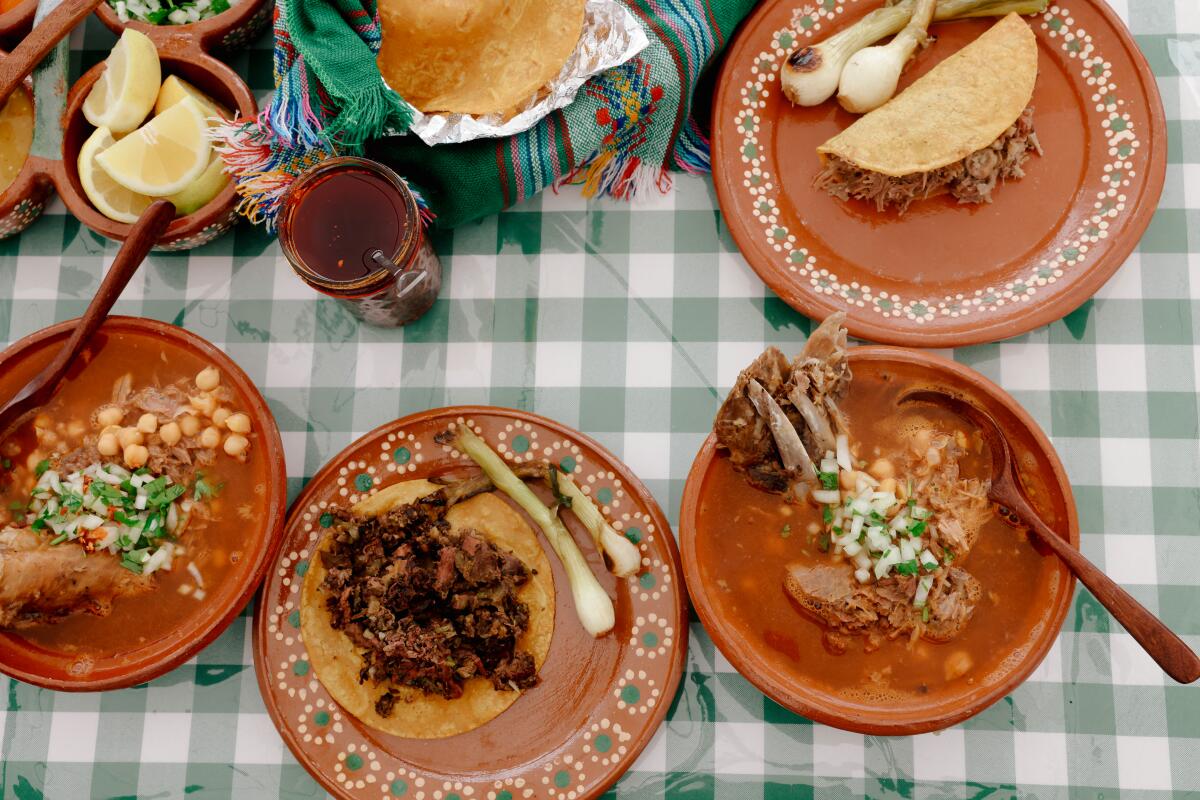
(125, 501)
(852, 532)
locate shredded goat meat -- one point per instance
(971, 180)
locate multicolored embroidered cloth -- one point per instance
(626, 129)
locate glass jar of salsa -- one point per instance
(351, 229)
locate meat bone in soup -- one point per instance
(867, 517)
(138, 477)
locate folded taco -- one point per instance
(426, 613)
(962, 128)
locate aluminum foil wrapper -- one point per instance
(611, 35)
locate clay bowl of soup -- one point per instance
(739, 544)
(229, 30)
(139, 509)
(25, 183)
(184, 59)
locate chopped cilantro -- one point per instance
(907, 567)
(41, 467)
(827, 514)
(786, 531)
(925, 614)
(823, 543)
(203, 490)
(829, 480)
(949, 555)
(917, 528)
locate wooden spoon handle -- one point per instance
(145, 232)
(40, 41)
(1171, 652)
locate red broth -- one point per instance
(215, 546)
(743, 547)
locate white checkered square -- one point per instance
(654, 757)
(732, 358)
(1040, 758)
(1131, 665)
(1130, 558)
(468, 364)
(257, 740)
(380, 365)
(289, 365)
(738, 748)
(470, 276)
(651, 275)
(940, 756)
(1125, 462)
(559, 364)
(838, 753)
(73, 736)
(36, 278)
(1144, 762)
(648, 364)
(561, 274)
(1120, 367)
(648, 454)
(165, 737)
(208, 278)
(735, 278)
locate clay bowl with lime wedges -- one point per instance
(16, 18)
(25, 184)
(194, 88)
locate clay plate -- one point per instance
(763, 667)
(943, 275)
(599, 702)
(62, 671)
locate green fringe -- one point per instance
(368, 115)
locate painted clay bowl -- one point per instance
(775, 664)
(227, 31)
(82, 670)
(943, 274)
(25, 198)
(599, 701)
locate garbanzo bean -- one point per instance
(206, 404)
(238, 423)
(136, 456)
(110, 415)
(147, 423)
(33, 460)
(108, 445)
(46, 436)
(189, 425)
(236, 444)
(75, 429)
(220, 416)
(170, 433)
(210, 438)
(129, 436)
(43, 421)
(882, 468)
(208, 379)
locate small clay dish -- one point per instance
(226, 32)
(16, 22)
(737, 542)
(25, 198)
(147, 635)
(599, 701)
(181, 57)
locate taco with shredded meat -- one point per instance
(963, 128)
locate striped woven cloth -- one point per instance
(625, 131)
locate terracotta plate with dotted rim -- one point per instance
(943, 274)
(767, 669)
(599, 701)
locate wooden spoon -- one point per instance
(40, 41)
(1171, 652)
(142, 236)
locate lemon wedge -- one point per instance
(163, 156)
(109, 197)
(175, 89)
(125, 92)
(202, 190)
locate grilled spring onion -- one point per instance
(622, 553)
(811, 74)
(592, 603)
(870, 76)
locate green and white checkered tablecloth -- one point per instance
(629, 323)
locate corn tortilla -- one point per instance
(478, 57)
(961, 105)
(417, 715)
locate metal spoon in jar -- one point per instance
(145, 232)
(1171, 652)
